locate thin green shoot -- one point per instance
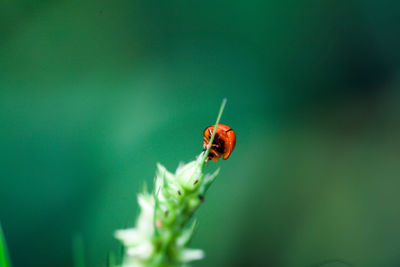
(221, 110)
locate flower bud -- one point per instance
(190, 175)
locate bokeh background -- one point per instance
(94, 93)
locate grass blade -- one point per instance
(78, 250)
(4, 257)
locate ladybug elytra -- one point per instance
(223, 144)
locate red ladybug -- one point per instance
(223, 144)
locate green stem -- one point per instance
(221, 110)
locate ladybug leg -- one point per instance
(212, 146)
(214, 156)
(205, 142)
(210, 156)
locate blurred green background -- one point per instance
(94, 93)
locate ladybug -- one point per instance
(223, 144)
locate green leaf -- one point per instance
(187, 235)
(4, 257)
(78, 250)
(111, 259)
(208, 180)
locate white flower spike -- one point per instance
(161, 235)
